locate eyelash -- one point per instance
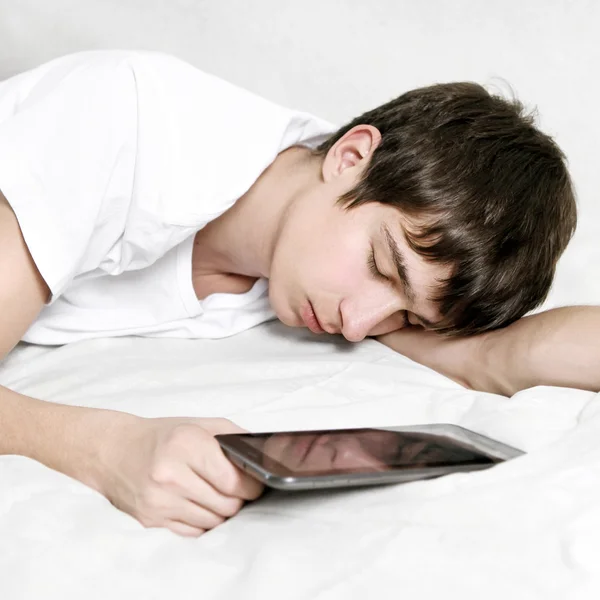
(373, 265)
(379, 275)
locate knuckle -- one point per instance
(230, 482)
(162, 472)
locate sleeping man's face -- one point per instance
(348, 271)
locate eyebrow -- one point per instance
(400, 264)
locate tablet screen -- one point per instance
(361, 450)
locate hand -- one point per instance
(171, 472)
(461, 359)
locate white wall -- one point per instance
(337, 58)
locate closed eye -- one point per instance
(372, 264)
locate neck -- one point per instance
(242, 240)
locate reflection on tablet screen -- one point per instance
(363, 450)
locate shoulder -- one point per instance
(23, 291)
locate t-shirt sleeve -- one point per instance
(61, 145)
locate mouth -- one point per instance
(310, 318)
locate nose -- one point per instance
(376, 317)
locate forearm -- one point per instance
(68, 439)
(560, 347)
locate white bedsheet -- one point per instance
(529, 528)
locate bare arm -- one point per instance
(47, 432)
(559, 347)
(165, 472)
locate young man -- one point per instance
(141, 196)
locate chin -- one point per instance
(283, 310)
(290, 321)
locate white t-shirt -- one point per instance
(112, 161)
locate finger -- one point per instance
(224, 426)
(193, 515)
(232, 481)
(213, 466)
(183, 529)
(197, 490)
(249, 488)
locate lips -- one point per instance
(310, 319)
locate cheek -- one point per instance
(338, 271)
(339, 261)
(325, 250)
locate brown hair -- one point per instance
(491, 195)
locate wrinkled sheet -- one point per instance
(529, 528)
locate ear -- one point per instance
(351, 153)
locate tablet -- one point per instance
(302, 460)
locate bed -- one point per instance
(527, 529)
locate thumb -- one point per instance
(217, 426)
